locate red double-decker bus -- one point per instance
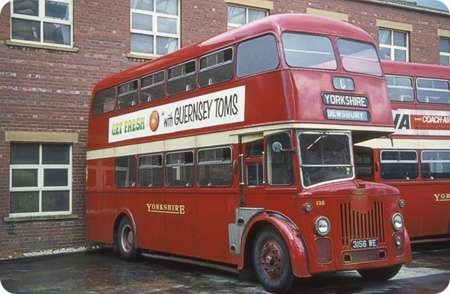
(238, 152)
(416, 158)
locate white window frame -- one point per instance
(442, 53)
(154, 32)
(392, 47)
(231, 25)
(42, 18)
(40, 183)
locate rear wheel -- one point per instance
(380, 274)
(271, 262)
(125, 241)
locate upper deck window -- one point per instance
(433, 91)
(152, 87)
(104, 101)
(42, 21)
(127, 95)
(181, 78)
(257, 55)
(399, 165)
(155, 26)
(216, 68)
(324, 157)
(359, 57)
(400, 88)
(303, 50)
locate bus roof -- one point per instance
(416, 69)
(275, 23)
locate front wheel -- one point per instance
(125, 241)
(271, 262)
(380, 274)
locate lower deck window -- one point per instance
(126, 171)
(150, 171)
(436, 164)
(214, 167)
(398, 165)
(180, 169)
(40, 179)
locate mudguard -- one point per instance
(288, 231)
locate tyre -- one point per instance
(271, 262)
(125, 241)
(380, 274)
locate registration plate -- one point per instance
(364, 243)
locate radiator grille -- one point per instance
(359, 225)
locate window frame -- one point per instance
(167, 165)
(283, 48)
(300, 160)
(154, 32)
(200, 70)
(40, 188)
(168, 79)
(41, 18)
(163, 82)
(399, 162)
(422, 161)
(417, 88)
(391, 45)
(413, 87)
(162, 167)
(231, 25)
(198, 164)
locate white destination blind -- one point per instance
(213, 109)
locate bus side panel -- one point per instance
(100, 221)
(427, 211)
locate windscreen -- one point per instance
(324, 157)
(359, 57)
(310, 51)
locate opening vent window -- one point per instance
(216, 68)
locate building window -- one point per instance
(239, 15)
(444, 51)
(40, 179)
(393, 44)
(155, 26)
(42, 21)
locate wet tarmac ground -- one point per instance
(102, 272)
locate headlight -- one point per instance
(322, 225)
(397, 221)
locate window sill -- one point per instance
(139, 56)
(23, 219)
(41, 46)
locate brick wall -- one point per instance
(47, 90)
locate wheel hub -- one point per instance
(272, 259)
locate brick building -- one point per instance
(52, 52)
